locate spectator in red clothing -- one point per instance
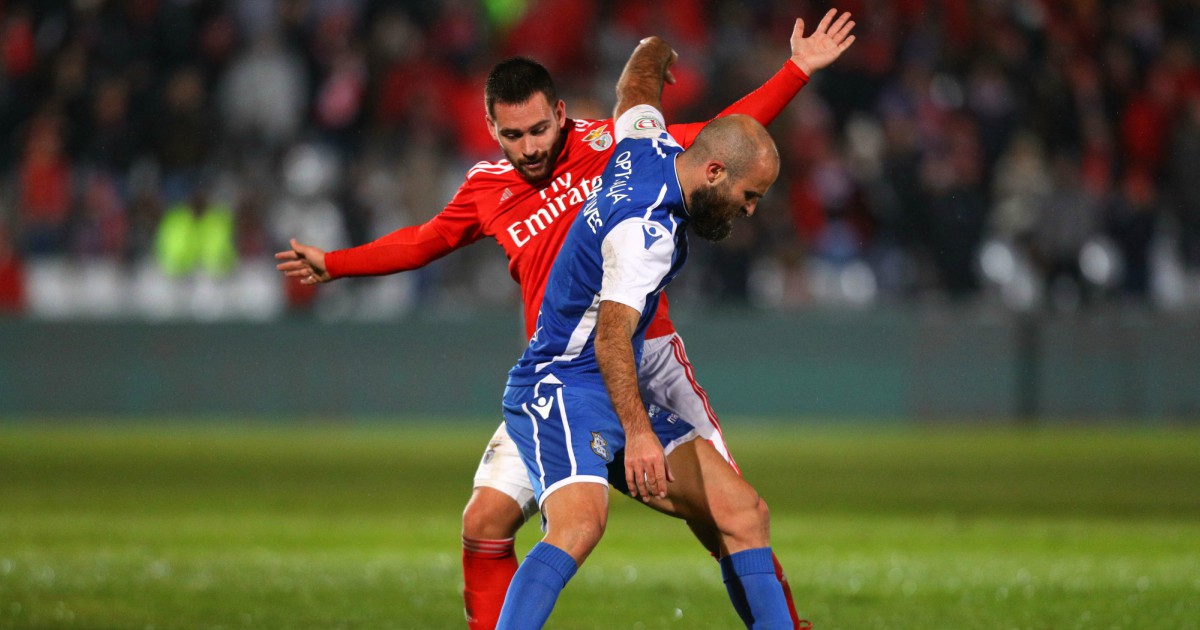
(12, 276)
(45, 187)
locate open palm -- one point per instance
(830, 39)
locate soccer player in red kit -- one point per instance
(526, 203)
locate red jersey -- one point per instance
(530, 221)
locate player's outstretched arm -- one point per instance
(641, 82)
(646, 470)
(405, 249)
(304, 262)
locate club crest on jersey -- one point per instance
(599, 138)
(600, 447)
(648, 122)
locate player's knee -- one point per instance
(747, 521)
(578, 537)
(491, 516)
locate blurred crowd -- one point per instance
(1034, 154)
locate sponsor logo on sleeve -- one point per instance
(647, 122)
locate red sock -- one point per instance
(488, 567)
(800, 624)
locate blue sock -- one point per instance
(755, 591)
(737, 594)
(535, 587)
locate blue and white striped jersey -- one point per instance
(625, 246)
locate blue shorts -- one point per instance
(569, 434)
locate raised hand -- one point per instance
(304, 262)
(830, 39)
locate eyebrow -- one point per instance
(544, 121)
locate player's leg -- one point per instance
(576, 515)
(707, 491)
(566, 463)
(667, 379)
(500, 503)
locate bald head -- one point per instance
(728, 168)
(741, 143)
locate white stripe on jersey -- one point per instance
(662, 192)
(579, 336)
(495, 168)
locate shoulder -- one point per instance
(597, 134)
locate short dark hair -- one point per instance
(514, 80)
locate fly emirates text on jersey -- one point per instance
(568, 198)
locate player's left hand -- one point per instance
(646, 469)
(304, 262)
(830, 39)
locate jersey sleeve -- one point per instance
(403, 250)
(763, 104)
(637, 256)
(458, 223)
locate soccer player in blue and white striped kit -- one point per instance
(572, 401)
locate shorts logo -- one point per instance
(655, 412)
(490, 452)
(600, 447)
(647, 123)
(542, 406)
(599, 138)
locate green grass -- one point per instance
(339, 526)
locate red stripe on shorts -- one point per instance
(681, 357)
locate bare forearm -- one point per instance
(614, 354)
(641, 81)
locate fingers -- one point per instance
(294, 268)
(842, 28)
(798, 29)
(823, 26)
(647, 479)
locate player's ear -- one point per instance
(491, 125)
(560, 113)
(715, 171)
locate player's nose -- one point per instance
(529, 147)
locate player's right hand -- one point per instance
(304, 262)
(646, 469)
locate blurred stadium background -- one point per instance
(988, 216)
(987, 209)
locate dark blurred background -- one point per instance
(1014, 180)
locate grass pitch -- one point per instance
(340, 526)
